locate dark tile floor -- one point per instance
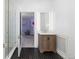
(33, 53)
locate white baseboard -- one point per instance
(62, 54)
(11, 53)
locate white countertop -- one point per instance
(47, 33)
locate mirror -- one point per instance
(44, 22)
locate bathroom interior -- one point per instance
(41, 29)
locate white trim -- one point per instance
(19, 48)
(35, 29)
(62, 54)
(11, 53)
(19, 51)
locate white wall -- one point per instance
(33, 6)
(65, 26)
(64, 20)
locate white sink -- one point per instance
(52, 33)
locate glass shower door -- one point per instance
(6, 39)
(10, 28)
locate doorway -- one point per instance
(27, 29)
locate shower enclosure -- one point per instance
(10, 29)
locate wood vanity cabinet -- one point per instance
(47, 43)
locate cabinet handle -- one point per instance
(48, 38)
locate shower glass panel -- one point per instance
(6, 39)
(10, 27)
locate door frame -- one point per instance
(36, 27)
(21, 26)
